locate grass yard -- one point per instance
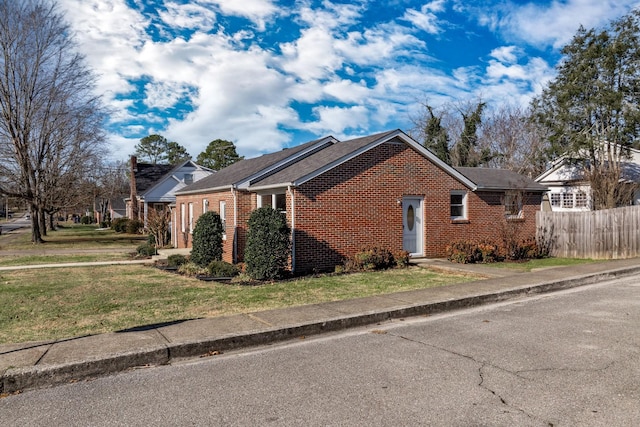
(53, 303)
(76, 236)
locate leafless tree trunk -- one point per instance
(46, 101)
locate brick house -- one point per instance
(384, 190)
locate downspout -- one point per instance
(293, 230)
(235, 224)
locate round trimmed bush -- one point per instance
(206, 243)
(268, 244)
(134, 226)
(222, 269)
(176, 260)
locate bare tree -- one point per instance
(49, 116)
(515, 141)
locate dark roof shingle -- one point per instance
(500, 179)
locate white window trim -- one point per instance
(273, 199)
(464, 204)
(191, 218)
(205, 206)
(223, 217)
(183, 219)
(519, 199)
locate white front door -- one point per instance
(412, 225)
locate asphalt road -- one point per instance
(565, 359)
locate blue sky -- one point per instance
(268, 74)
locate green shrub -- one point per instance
(146, 250)
(222, 269)
(375, 258)
(401, 259)
(268, 244)
(119, 225)
(86, 220)
(206, 242)
(176, 260)
(192, 269)
(134, 226)
(469, 251)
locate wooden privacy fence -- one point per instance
(604, 234)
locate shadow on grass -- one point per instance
(154, 326)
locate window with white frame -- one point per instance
(223, 218)
(188, 178)
(581, 199)
(205, 206)
(277, 201)
(190, 217)
(183, 217)
(458, 204)
(567, 200)
(556, 199)
(513, 204)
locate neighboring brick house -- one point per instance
(154, 185)
(384, 190)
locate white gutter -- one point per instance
(293, 230)
(235, 224)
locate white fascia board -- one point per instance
(271, 187)
(205, 190)
(407, 140)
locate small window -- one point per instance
(205, 206)
(458, 201)
(265, 200)
(183, 218)
(581, 199)
(223, 218)
(190, 217)
(556, 199)
(513, 205)
(188, 178)
(281, 202)
(567, 200)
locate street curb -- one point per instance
(40, 376)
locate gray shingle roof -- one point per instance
(318, 160)
(147, 175)
(500, 179)
(246, 168)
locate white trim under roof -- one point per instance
(389, 136)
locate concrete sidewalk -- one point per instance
(34, 365)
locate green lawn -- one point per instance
(52, 303)
(76, 236)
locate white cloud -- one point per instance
(258, 11)
(192, 16)
(426, 18)
(556, 23)
(508, 54)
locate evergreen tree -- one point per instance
(590, 110)
(176, 153)
(436, 138)
(218, 155)
(466, 147)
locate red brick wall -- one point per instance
(214, 205)
(356, 205)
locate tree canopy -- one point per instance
(157, 149)
(219, 154)
(590, 110)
